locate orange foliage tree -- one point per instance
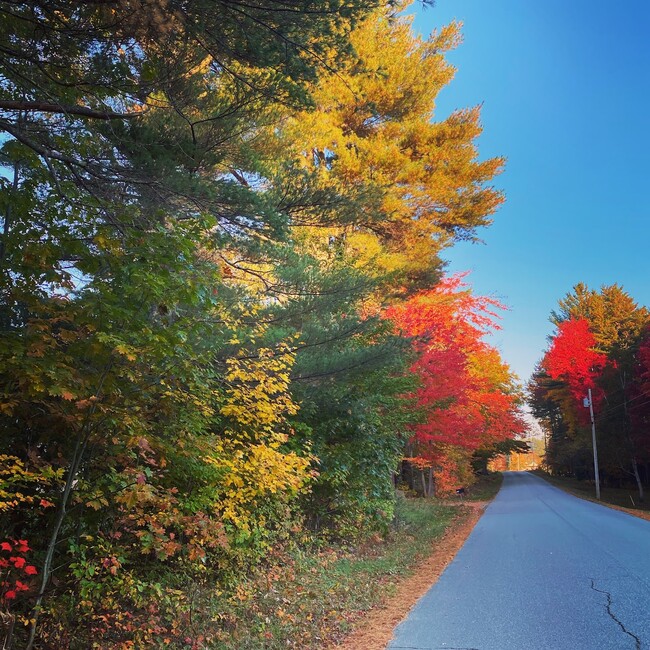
(467, 394)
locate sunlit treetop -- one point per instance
(573, 357)
(375, 130)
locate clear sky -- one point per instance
(565, 88)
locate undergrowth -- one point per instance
(309, 597)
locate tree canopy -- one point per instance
(599, 345)
(223, 316)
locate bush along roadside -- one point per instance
(313, 596)
(310, 596)
(619, 498)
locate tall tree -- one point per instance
(553, 404)
(132, 362)
(573, 358)
(467, 395)
(374, 133)
(597, 345)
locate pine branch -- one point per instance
(66, 109)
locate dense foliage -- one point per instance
(601, 344)
(467, 396)
(221, 222)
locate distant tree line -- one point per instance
(602, 343)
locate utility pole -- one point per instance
(588, 402)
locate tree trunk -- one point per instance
(9, 622)
(7, 221)
(83, 438)
(46, 571)
(639, 484)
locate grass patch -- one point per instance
(309, 598)
(621, 497)
(486, 487)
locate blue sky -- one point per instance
(565, 88)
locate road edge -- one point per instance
(639, 514)
(378, 625)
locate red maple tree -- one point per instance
(573, 358)
(466, 390)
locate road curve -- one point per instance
(541, 570)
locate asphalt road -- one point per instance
(541, 570)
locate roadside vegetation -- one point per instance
(600, 347)
(225, 325)
(313, 596)
(485, 488)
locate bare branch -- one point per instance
(67, 109)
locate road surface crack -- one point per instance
(608, 607)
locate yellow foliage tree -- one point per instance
(251, 452)
(373, 133)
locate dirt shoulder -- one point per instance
(376, 628)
